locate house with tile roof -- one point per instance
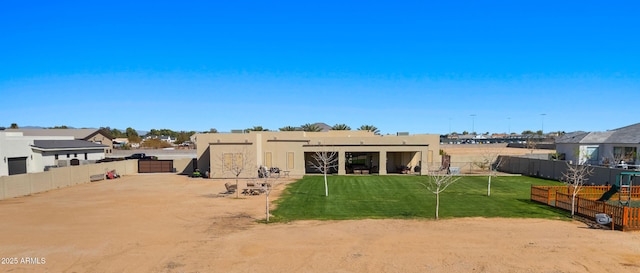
(614, 148)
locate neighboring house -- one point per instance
(31, 154)
(291, 151)
(168, 139)
(60, 153)
(120, 142)
(618, 147)
(98, 136)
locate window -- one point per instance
(239, 161)
(628, 154)
(591, 154)
(85, 156)
(227, 161)
(290, 161)
(233, 162)
(75, 155)
(267, 160)
(55, 156)
(68, 155)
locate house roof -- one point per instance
(597, 137)
(75, 133)
(624, 135)
(66, 144)
(628, 134)
(573, 137)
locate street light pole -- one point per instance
(543, 122)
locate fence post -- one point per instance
(625, 217)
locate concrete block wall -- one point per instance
(184, 165)
(554, 169)
(27, 184)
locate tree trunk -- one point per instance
(326, 186)
(489, 186)
(573, 203)
(437, 204)
(237, 189)
(267, 206)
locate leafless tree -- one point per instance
(531, 144)
(438, 182)
(237, 164)
(491, 160)
(613, 159)
(269, 182)
(323, 161)
(575, 178)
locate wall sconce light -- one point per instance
(5, 159)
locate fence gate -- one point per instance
(155, 166)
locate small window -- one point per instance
(55, 156)
(290, 161)
(75, 155)
(68, 155)
(85, 156)
(268, 159)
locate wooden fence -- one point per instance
(586, 205)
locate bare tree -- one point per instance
(323, 161)
(575, 178)
(438, 182)
(493, 171)
(237, 164)
(490, 161)
(530, 144)
(613, 159)
(269, 183)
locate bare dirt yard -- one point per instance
(171, 223)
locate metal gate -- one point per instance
(155, 166)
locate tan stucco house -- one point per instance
(359, 152)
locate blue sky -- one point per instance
(415, 66)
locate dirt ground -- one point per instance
(171, 223)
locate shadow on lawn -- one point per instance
(560, 212)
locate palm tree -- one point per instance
(289, 128)
(311, 127)
(341, 127)
(255, 128)
(369, 128)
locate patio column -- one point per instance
(342, 170)
(382, 169)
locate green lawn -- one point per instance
(357, 197)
